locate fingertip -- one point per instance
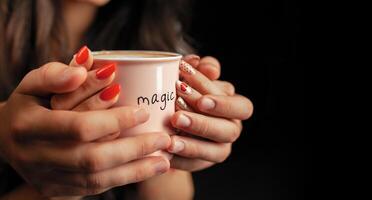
(165, 139)
(211, 72)
(54, 103)
(192, 59)
(210, 60)
(175, 117)
(215, 73)
(250, 111)
(161, 165)
(177, 145)
(77, 76)
(67, 79)
(116, 99)
(89, 64)
(230, 89)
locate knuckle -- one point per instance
(56, 102)
(93, 183)
(86, 86)
(140, 174)
(93, 84)
(89, 105)
(227, 107)
(203, 127)
(126, 118)
(44, 71)
(49, 65)
(18, 126)
(206, 84)
(142, 149)
(82, 129)
(224, 105)
(92, 161)
(191, 151)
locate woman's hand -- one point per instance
(96, 93)
(54, 150)
(209, 113)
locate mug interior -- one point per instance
(120, 55)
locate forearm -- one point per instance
(23, 192)
(2, 103)
(175, 184)
(26, 192)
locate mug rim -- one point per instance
(168, 56)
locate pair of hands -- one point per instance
(71, 149)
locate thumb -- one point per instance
(52, 77)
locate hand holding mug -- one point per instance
(54, 150)
(209, 113)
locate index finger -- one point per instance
(198, 80)
(78, 126)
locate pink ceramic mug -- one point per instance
(147, 79)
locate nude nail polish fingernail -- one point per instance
(183, 121)
(177, 146)
(207, 104)
(181, 103)
(161, 167)
(192, 57)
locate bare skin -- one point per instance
(195, 155)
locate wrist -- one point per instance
(2, 161)
(175, 184)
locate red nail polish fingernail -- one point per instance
(110, 92)
(106, 71)
(82, 55)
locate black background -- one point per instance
(259, 46)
